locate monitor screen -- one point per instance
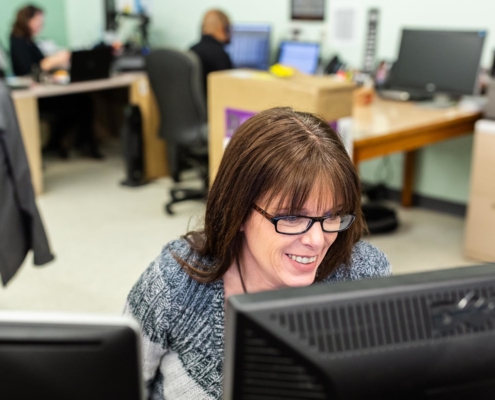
(60, 357)
(249, 46)
(303, 56)
(444, 62)
(418, 336)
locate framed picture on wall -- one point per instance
(308, 10)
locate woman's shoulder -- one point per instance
(18, 39)
(164, 279)
(166, 267)
(366, 262)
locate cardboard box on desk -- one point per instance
(234, 96)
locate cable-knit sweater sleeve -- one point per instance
(148, 302)
(366, 262)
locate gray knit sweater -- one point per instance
(182, 322)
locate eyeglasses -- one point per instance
(299, 224)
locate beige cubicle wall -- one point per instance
(246, 92)
(480, 224)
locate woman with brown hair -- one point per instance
(70, 110)
(283, 211)
(25, 54)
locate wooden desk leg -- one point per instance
(155, 156)
(408, 184)
(29, 123)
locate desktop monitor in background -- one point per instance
(61, 357)
(89, 65)
(437, 62)
(419, 336)
(250, 46)
(303, 56)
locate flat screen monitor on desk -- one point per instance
(418, 336)
(87, 65)
(303, 56)
(437, 62)
(250, 46)
(60, 357)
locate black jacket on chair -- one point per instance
(21, 228)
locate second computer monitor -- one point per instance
(432, 61)
(303, 56)
(249, 46)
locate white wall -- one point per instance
(176, 23)
(85, 22)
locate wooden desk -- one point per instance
(26, 104)
(386, 127)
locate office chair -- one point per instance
(175, 78)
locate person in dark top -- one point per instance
(24, 52)
(215, 32)
(69, 110)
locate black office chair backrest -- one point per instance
(175, 78)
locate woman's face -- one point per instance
(36, 23)
(269, 259)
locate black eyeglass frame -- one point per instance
(274, 221)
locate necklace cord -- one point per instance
(240, 274)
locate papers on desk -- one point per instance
(473, 103)
(18, 82)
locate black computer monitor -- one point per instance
(419, 336)
(250, 46)
(91, 64)
(433, 61)
(60, 357)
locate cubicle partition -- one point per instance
(234, 96)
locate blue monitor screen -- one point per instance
(300, 55)
(250, 46)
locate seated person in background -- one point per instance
(70, 110)
(283, 211)
(24, 52)
(215, 34)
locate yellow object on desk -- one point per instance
(282, 71)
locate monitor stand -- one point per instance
(439, 101)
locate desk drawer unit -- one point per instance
(480, 224)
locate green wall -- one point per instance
(442, 170)
(55, 19)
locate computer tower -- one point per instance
(132, 140)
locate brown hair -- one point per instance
(21, 24)
(277, 154)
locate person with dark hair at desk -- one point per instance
(215, 32)
(69, 110)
